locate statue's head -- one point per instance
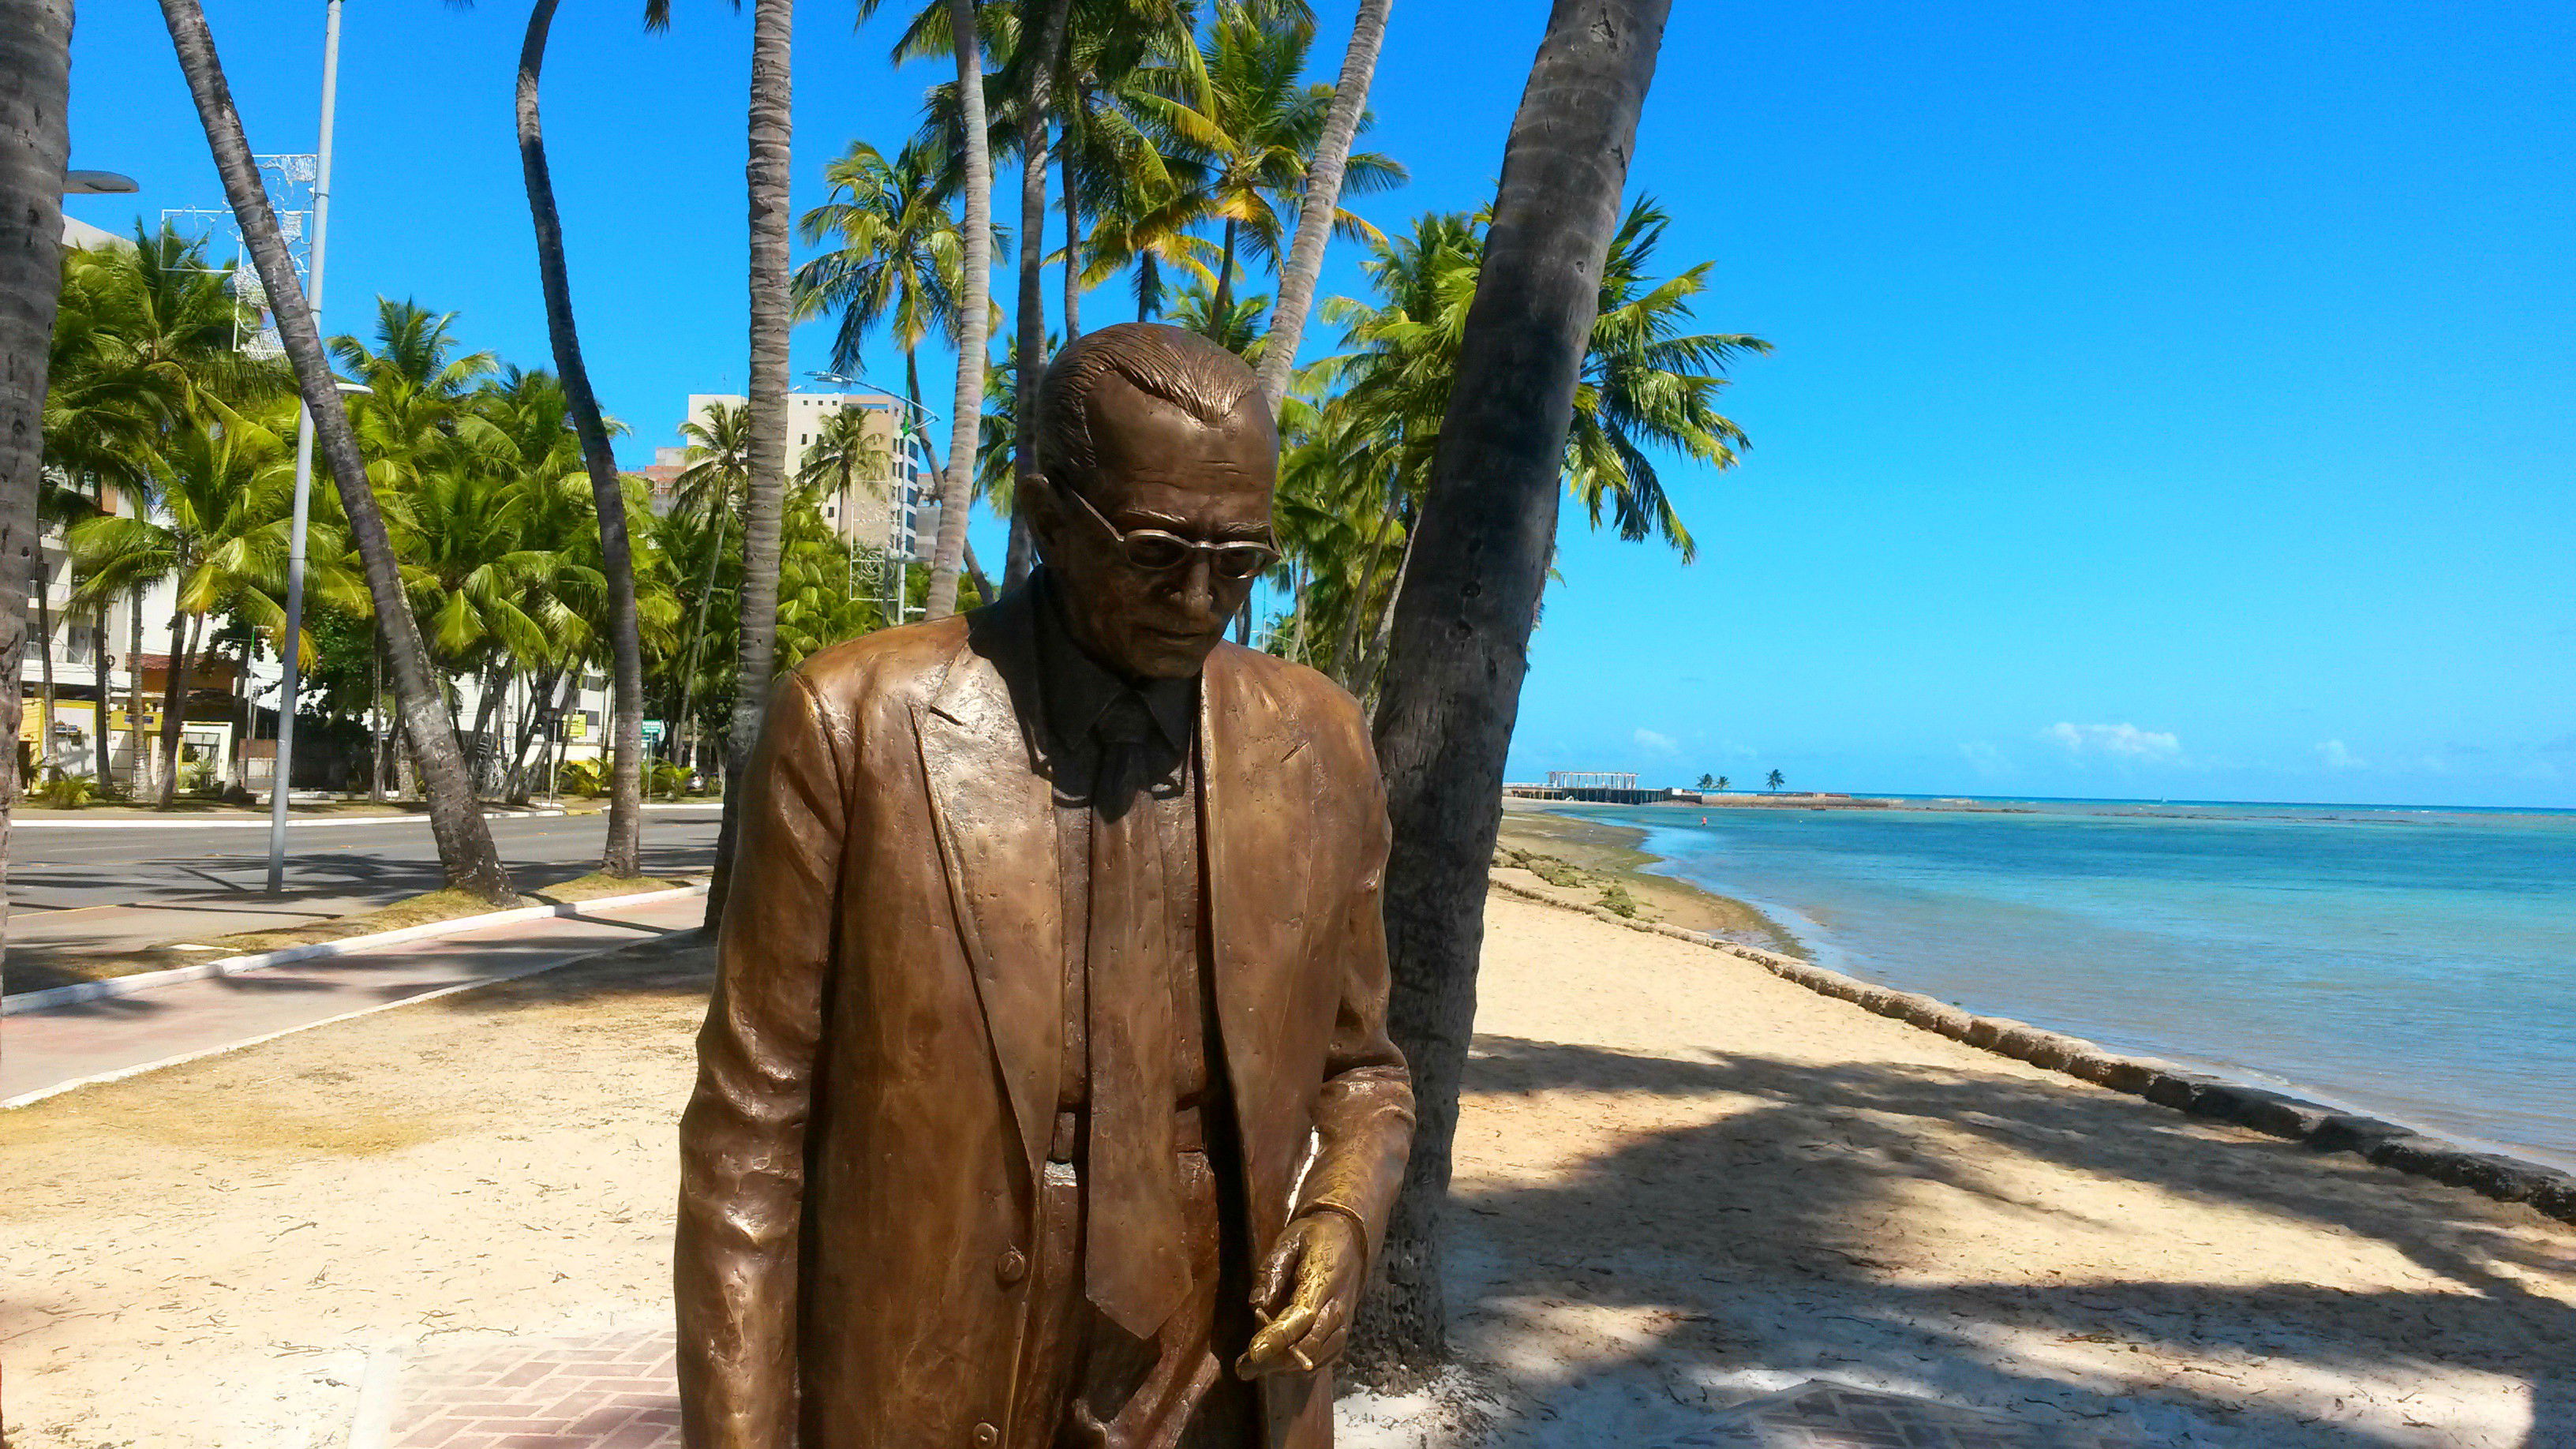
(1157, 458)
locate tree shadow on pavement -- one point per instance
(1776, 1241)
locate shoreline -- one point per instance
(1624, 841)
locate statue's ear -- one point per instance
(1036, 493)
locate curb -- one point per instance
(81, 991)
(22, 822)
(2327, 1129)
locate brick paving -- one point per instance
(605, 1391)
(1821, 1415)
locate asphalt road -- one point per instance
(84, 894)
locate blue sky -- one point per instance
(2175, 400)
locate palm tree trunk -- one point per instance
(456, 818)
(489, 690)
(135, 775)
(1223, 300)
(45, 661)
(756, 643)
(621, 852)
(376, 716)
(1072, 242)
(1323, 197)
(540, 690)
(974, 316)
(1462, 624)
(975, 575)
(687, 722)
(1365, 681)
(1031, 358)
(174, 698)
(35, 140)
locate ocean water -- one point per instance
(2420, 964)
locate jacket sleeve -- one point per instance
(1364, 1117)
(742, 1140)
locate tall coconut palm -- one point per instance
(219, 536)
(149, 333)
(1321, 198)
(896, 258)
(465, 847)
(620, 854)
(1238, 105)
(755, 642)
(715, 486)
(35, 140)
(1463, 621)
(957, 488)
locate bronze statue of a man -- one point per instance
(1045, 1098)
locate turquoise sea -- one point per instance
(2419, 964)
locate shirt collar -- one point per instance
(1074, 688)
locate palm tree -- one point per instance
(1646, 383)
(1035, 57)
(957, 488)
(456, 819)
(35, 86)
(1774, 781)
(1462, 624)
(1237, 106)
(755, 643)
(1321, 199)
(897, 257)
(1721, 783)
(715, 486)
(620, 855)
(147, 333)
(219, 534)
(1707, 782)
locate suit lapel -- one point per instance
(1258, 803)
(995, 820)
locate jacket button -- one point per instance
(986, 1436)
(1013, 1267)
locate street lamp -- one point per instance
(97, 183)
(282, 768)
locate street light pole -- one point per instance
(899, 540)
(282, 768)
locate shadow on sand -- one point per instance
(1751, 1248)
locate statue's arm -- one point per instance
(1364, 1116)
(742, 1140)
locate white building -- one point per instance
(898, 513)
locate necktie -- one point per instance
(1136, 1268)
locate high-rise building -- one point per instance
(896, 512)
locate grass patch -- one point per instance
(597, 886)
(419, 910)
(439, 905)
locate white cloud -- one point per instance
(1985, 759)
(1660, 744)
(2125, 741)
(2334, 756)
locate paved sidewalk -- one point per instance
(43, 1049)
(606, 1391)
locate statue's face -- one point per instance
(1159, 468)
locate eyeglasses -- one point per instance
(1158, 551)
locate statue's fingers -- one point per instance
(1322, 1341)
(1270, 1284)
(1273, 1344)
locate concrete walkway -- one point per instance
(42, 1051)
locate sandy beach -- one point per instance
(1681, 1181)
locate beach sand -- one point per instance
(1680, 1181)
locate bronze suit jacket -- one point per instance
(878, 1070)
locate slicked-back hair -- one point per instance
(1174, 364)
